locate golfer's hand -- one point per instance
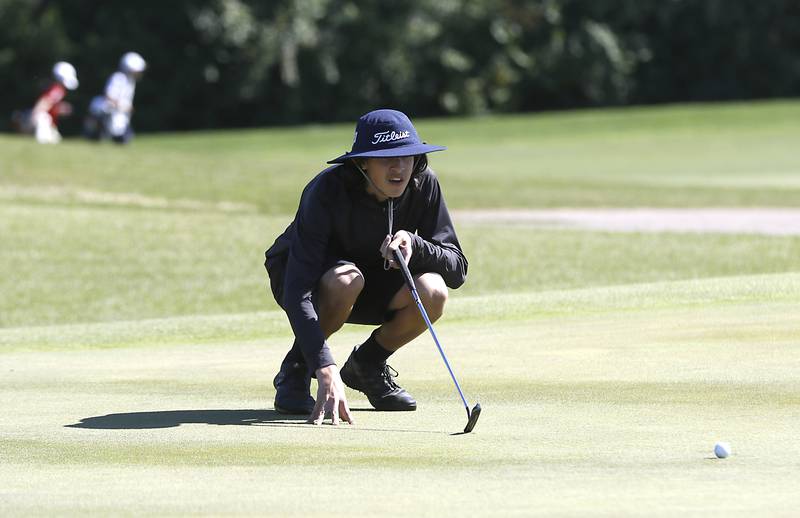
(400, 241)
(330, 397)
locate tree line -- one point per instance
(240, 63)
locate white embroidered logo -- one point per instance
(390, 136)
(355, 137)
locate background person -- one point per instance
(109, 115)
(42, 120)
(333, 264)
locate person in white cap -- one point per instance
(110, 114)
(42, 120)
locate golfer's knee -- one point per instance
(342, 283)
(434, 293)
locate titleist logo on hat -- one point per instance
(385, 133)
(389, 136)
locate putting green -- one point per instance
(596, 401)
(138, 340)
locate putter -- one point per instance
(472, 415)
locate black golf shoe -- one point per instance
(292, 389)
(377, 382)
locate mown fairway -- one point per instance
(138, 340)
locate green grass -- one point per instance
(138, 338)
(714, 155)
(610, 406)
(75, 264)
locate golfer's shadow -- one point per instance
(173, 418)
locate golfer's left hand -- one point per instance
(402, 241)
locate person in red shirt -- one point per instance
(50, 106)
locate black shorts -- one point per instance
(372, 305)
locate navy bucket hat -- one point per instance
(386, 133)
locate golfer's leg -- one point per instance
(338, 290)
(408, 323)
(366, 369)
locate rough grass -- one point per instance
(75, 264)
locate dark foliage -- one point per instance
(226, 63)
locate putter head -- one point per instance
(473, 418)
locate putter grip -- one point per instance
(398, 256)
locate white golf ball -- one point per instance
(722, 450)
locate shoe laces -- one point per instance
(388, 373)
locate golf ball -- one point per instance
(722, 450)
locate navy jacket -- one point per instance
(338, 219)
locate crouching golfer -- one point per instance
(333, 264)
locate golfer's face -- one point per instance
(390, 175)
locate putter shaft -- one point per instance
(413, 288)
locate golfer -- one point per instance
(333, 264)
(110, 114)
(42, 120)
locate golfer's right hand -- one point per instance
(330, 397)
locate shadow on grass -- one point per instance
(172, 418)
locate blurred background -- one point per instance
(247, 63)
